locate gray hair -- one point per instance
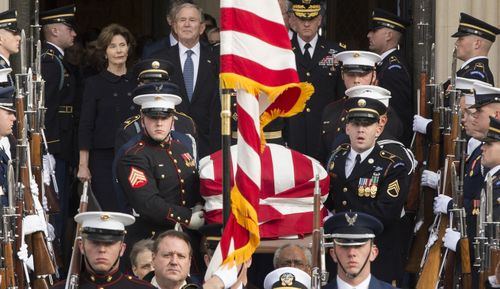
(304, 249)
(177, 8)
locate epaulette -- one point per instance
(389, 156)
(49, 52)
(341, 149)
(131, 120)
(343, 45)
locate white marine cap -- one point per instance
(4, 74)
(370, 91)
(485, 94)
(104, 226)
(157, 97)
(466, 86)
(287, 277)
(353, 60)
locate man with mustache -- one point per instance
(369, 179)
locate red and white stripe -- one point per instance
(286, 196)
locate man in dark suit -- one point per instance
(474, 40)
(315, 64)
(60, 100)
(354, 250)
(386, 30)
(196, 73)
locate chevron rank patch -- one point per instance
(393, 189)
(137, 178)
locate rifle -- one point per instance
(72, 282)
(319, 275)
(41, 257)
(425, 196)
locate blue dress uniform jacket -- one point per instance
(116, 280)
(374, 284)
(393, 75)
(204, 107)
(379, 187)
(161, 184)
(496, 196)
(477, 69)
(4, 164)
(303, 131)
(60, 85)
(473, 182)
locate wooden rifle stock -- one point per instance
(463, 244)
(36, 167)
(9, 279)
(39, 283)
(3, 276)
(72, 282)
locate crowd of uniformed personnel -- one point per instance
(136, 131)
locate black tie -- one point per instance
(307, 55)
(357, 163)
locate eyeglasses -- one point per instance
(292, 263)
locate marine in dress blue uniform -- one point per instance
(130, 131)
(317, 66)
(358, 230)
(377, 185)
(159, 177)
(475, 67)
(104, 229)
(392, 72)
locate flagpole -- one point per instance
(226, 151)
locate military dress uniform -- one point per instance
(354, 229)
(159, 179)
(303, 131)
(476, 67)
(8, 21)
(116, 280)
(377, 185)
(6, 103)
(393, 73)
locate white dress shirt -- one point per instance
(341, 284)
(470, 60)
(313, 43)
(195, 57)
(351, 160)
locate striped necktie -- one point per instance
(188, 74)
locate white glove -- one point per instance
(429, 179)
(197, 220)
(34, 187)
(420, 124)
(451, 239)
(32, 224)
(22, 254)
(197, 208)
(228, 276)
(441, 204)
(51, 232)
(49, 162)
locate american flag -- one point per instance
(257, 61)
(286, 196)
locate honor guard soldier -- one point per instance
(354, 250)
(60, 100)
(357, 68)
(369, 179)
(9, 40)
(102, 244)
(474, 40)
(158, 173)
(386, 30)
(315, 64)
(150, 71)
(7, 119)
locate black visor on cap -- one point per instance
(363, 118)
(157, 112)
(358, 68)
(102, 235)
